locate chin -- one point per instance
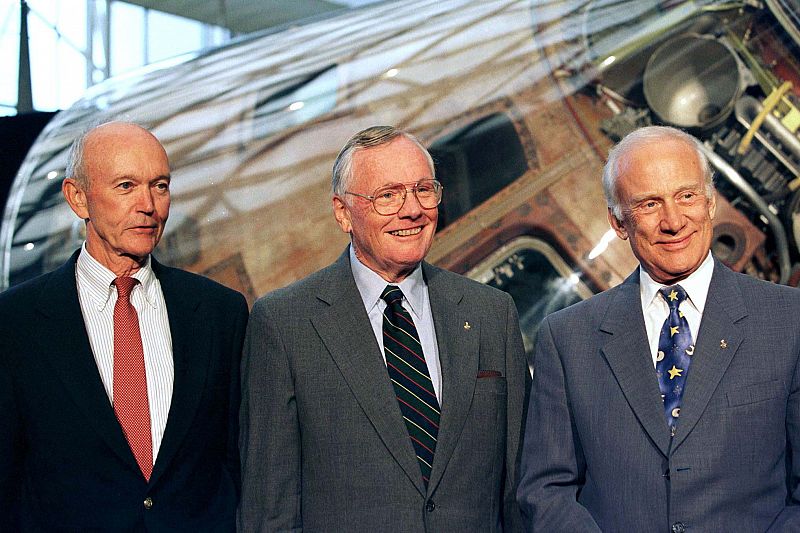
(140, 251)
(672, 276)
(409, 262)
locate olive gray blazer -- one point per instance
(598, 454)
(323, 443)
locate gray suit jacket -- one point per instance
(323, 443)
(598, 453)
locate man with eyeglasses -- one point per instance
(382, 393)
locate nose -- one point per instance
(146, 202)
(672, 219)
(411, 207)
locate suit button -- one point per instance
(148, 503)
(678, 527)
(430, 506)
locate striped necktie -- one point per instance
(410, 378)
(675, 348)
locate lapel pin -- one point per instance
(467, 326)
(723, 344)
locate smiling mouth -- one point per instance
(677, 243)
(406, 232)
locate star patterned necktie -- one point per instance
(410, 378)
(675, 350)
(130, 382)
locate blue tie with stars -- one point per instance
(675, 350)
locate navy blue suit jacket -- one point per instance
(64, 461)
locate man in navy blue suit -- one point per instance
(119, 376)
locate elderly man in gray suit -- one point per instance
(382, 393)
(670, 402)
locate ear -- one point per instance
(76, 197)
(617, 225)
(712, 205)
(342, 213)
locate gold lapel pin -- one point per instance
(723, 344)
(467, 326)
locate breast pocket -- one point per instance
(758, 392)
(496, 385)
(750, 428)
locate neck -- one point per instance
(121, 265)
(395, 276)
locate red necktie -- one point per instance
(130, 382)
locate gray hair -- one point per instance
(367, 138)
(75, 167)
(637, 138)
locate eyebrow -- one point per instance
(167, 177)
(680, 189)
(406, 182)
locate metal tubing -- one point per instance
(778, 231)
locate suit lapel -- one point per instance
(724, 307)
(190, 357)
(458, 357)
(344, 328)
(627, 353)
(63, 338)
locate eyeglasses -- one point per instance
(389, 199)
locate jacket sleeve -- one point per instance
(519, 380)
(239, 324)
(270, 431)
(553, 468)
(11, 450)
(789, 518)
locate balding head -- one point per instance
(85, 148)
(118, 182)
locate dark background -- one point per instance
(17, 134)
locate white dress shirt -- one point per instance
(416, 302)
(656, 310)
(97, 297)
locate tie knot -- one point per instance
(392, 295)
(674, 295)
(125, 285)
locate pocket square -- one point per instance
(489, 374)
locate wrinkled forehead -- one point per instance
(668, 163)
(400, 161)
(131, 151)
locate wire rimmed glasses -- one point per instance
(389, 199)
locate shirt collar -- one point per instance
(696, 285)
(96, 280)
(370, 286)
